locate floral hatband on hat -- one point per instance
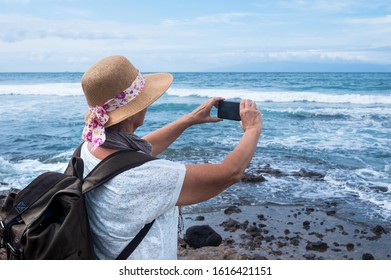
(94, 130)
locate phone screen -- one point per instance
(228, 110)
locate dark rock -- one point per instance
(269, 238)
(295, 241)
(309, 210)
(317, 246)
(229, 241)
(376, 237)
(277, 253)
(281, 244)
(251, 178)
(350, 247)
(259, 257)
(306, 225)
(271, 171)
(254, 231)
(379, 188)
(309, 256)
(286, 232)
(317, 234)
(261, 217)
(232, 209)
(200, 218)
(308, 174)
(368, 256)
(232, 225)
(331, 213)
(201, 236)
(378, 230)
(258, 239)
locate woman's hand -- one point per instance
(204, 181)
(202, 113)
(251, 117)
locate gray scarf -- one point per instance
(126, 141)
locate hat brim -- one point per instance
(155, 86)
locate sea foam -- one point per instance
(282, 96)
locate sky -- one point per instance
(196, 35)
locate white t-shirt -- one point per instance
(120, 208)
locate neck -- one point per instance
(100, 152)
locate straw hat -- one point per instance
(112, 75)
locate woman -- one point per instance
(118, 96)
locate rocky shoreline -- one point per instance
(286, 232)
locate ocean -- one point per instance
(326, 139)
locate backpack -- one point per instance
(48, 218)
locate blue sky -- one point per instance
(199, 35)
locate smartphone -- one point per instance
(228, 110)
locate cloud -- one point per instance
(364, 21)
(20, 27)
(24, 2)
(296, 32)
(221, 18)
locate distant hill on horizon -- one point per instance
(294, 66)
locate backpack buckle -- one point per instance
(12, 253)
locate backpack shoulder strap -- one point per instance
(75, 165)
(113, 165)
(109, 167)
(135, 242)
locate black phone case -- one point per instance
(228, 110)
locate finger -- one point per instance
(215, 119)
(215, 101)
(242, 104)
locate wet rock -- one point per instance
(379, 188)
(378, 230)
(295, 241)
(252, 178)
(350, 247)
(261, 217)
(317, 246)
(271, 171)
(232, 209)
(259, 257)
(201, 236)
(309, 210)
(309, 256)
(317, 234)
(258, 239)
(331, 213)
(308, 174)
(281, 244)
(269, 238)
(254, 231)
(232, 225)
(368, 256)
